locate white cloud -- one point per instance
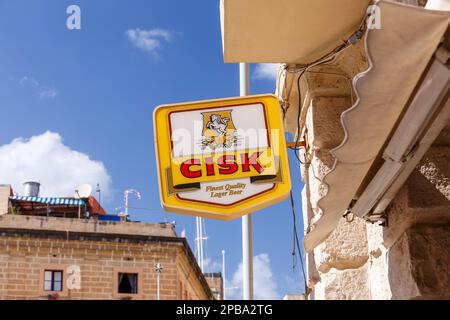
(149, 40)
(48, 93)
(265, 286)
(266, 71)
(26, 80)
(211, 265)
(57, 167)
(42, 92)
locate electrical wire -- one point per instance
(328, 57)
(324, 59)
(297, 243)
(297, 137)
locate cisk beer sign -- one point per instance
(221, 158)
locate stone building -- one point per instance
(215, 282)
(364, 86)
(48, 257)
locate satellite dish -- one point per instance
(83, 191)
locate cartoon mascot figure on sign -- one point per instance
(218, 130)
(219, 124)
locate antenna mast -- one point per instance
(98, 191)
(126, 194)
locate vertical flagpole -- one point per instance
(200, 222)
(223, 276)
(158, 268)
(158, 279)
(247, 234)
(197, 239)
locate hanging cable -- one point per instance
(328, 57)
(297, 242)
(354, 38)
(325, 59)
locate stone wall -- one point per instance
(215, 282)
(410, 256)
(407, 258)
(361, 260)
(26, 253)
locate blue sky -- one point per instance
(96, 89)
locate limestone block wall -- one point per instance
(410, 256)
(215, 282)
(342, 261)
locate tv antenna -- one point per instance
(99, 193)
(126, 195)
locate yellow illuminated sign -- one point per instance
(221, 158)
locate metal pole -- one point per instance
(201, 244)
(157, 286)
(247, 234)
(158, 268)
(197, 239)
(247, 258)
(223, 275)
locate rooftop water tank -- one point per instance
(31, 189)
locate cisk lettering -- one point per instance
(223, 166)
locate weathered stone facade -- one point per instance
(407, 256)
(215, 282)
(101, 250)
(411, 253)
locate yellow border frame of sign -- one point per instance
(163, 150)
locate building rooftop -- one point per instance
(10, 221)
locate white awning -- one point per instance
(51, 201)
(289, 31)
(399, 53)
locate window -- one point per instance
(53, 280)
(127, 283)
